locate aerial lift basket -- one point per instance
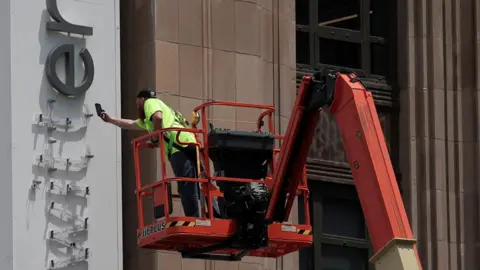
(243, 165)
(259, 183)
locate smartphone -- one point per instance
(99, 109)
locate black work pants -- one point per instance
(184, 164)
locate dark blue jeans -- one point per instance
(184, 165)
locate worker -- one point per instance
(154, 114)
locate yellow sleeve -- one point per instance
(140, 124)
(151, 106)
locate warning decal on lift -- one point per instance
(293, 229)
(147, 231)
(305, 232)
(180, 224)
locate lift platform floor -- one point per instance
(182, 233)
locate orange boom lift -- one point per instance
(257, 183)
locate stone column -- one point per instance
(138, 71)
(439, 125)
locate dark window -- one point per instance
(340, 236)
(359, 35)
(345, 217)
(306, 254)
(379, 59)
(359, 42)
(349, 33)
(347, 17)
(340, 53)
(344, 258)
(301, 12)
(378, 17)
(303, 48)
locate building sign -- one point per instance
(68, 87)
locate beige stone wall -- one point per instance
(196, 50)
(439, 57)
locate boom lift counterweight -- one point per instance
(258, 183)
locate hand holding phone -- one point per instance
(99, 109)
(101, 113)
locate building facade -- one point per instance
(419, 58)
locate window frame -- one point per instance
(362, 37)
(383, 88)
(313, 254)
(385, 92)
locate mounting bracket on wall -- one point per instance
(62, 214)
(63, 236)
(65, 242)
(66, 123)
(35, 184)
(46, 161)
(54, 163)
(80, 257)
(75, 189)
(73, 236)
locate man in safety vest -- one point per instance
(154, 114)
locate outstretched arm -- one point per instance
(129, 124)
(122, 123)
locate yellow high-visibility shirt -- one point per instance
(170, 119)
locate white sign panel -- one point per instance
(61, 200)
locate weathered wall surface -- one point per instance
(138, 70)
(439, 72)
(199, 50)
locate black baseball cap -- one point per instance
(146, 93)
